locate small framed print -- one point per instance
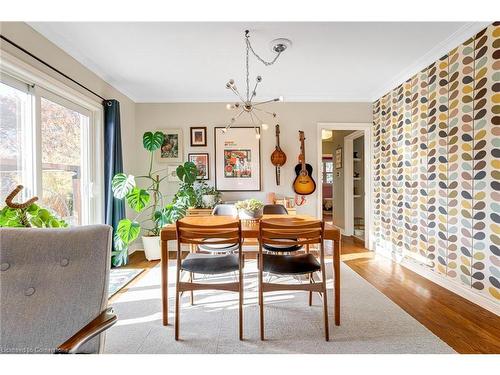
(198, 136)
(171, 151)
(202, 164)
(338, 158)
(172, 173)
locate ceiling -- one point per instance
(191, 62)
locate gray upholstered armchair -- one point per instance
(54, 289)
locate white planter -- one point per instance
(250, 215)
(208, 200)
(152, 248)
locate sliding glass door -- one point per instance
(46, 146)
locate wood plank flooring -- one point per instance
(463, 325)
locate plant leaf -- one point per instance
(152, 141)
(187, 173)
(128, 230)
(122, 184)
(138, 199)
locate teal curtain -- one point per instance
(113, 163)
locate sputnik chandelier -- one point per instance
(246, 104)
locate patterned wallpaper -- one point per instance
(437, 166)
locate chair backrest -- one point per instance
(291, 233)
(275, 209)
(225, 210)
(220, 232)
(52, 283)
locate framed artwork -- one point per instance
(201, 162)
(171, 151)
(237, 159)
(198, 136)
(338, 158)
(172, 173)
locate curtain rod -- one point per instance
(50, 66)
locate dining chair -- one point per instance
(210, 246)
(292, 265)
(209, 264)
(279, 209)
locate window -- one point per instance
(50, 146)
(328, 171)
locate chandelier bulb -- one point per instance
(265, 126)
(257, 136)
(281, 98)
(224, 130)
(231, 81)
(229, 106)
(259, 79)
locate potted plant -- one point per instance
(149, 203)
(206, 196)
(27, 214)
(250, 209)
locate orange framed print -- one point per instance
(202, 164)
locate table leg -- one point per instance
(336, 270)
(164, 280)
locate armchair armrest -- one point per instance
(105, 320)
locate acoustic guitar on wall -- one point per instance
(304, 184)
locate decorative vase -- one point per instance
(152, 248)
(208, 201)
(250, 215)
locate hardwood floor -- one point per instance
(464, 326)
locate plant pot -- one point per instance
(250, 215)
(208, 201)
(152, 248)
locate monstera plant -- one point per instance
(144, 196)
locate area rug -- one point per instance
(119, 277)
(370, 322)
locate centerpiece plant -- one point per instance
(148, 201)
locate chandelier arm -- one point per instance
(266, 101)
(262, 110)
(254, 92)
(238, 115)
(237, 93)
(258, 118)
(253, 122)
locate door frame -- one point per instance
(366, 129)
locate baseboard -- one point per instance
(462, 291)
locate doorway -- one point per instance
(344, 198)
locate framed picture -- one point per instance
(201, 162)
(198, 136)
(237, 159)
(338, 158)
(172, 173)
(171, 151)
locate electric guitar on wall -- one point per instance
(304, 183)
(278, 157)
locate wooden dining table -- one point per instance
(250, 231)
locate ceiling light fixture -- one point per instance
(246, 104)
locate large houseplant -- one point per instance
(149, 203)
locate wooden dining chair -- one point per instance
(297, 264)
(209, 264)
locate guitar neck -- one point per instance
(277, 136)
(303, 151)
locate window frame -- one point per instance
(41, 84)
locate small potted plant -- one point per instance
(206, 196)
(250, 209)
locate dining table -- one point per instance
(249, 232)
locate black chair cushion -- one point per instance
(210, 264)
(218, 248)
(290, 264)
(283, 248)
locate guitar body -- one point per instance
(304, 184)
(278, 157)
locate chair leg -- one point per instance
(325, 300)
(310, 292)
(261, 300)
(192, 292)
(177, 309)
(241, 305)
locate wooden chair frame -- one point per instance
(306, 234)
(194, 235)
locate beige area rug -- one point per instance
(371, 322)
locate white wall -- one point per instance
(292, 118)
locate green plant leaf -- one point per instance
(44, 215)
(36, 222)
(187, 172)
(152, 141)
(138, 199)
(122, 184)
(128, 230)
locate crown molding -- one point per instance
(334, 98)
(434, 54)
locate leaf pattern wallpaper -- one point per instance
(436, 144)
